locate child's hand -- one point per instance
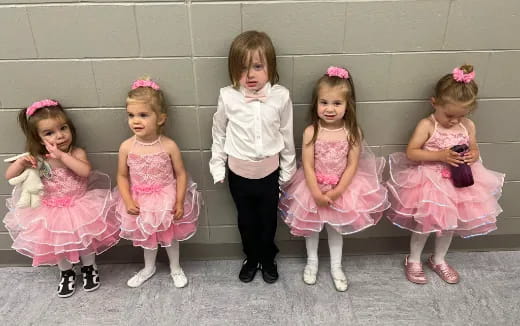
(322, 200)
(54, 151)
(28, 161)
(132, 207)
(333, 194)
(178, 211)
(471, 156)
(450, 157)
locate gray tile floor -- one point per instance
(488, 294)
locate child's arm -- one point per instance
(288, 153)
(414, 152)
(473, 154)
(76, 161)
(308, 169)
(180, 175)
(123, 182)
(348, 174)
(18, 166)
(217, 163)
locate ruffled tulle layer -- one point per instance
(49, 234)
(155, 226)
(424, 201)
(358, 208)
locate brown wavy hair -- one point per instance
(240, 55)
(29, 125)
(448, 89)
(350, 121)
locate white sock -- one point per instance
(311, 243)
(149, 259)
(89, 260)
(173, 254)
(417, 242)
(64, 265)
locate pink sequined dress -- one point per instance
(424, 199)
(153, 187)
(74, 219)
(360, 206)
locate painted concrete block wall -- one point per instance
(86, 54)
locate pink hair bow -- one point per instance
(38, 105)
(145, 83)
(461, 77)
(338, 72)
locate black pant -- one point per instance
(257, 205)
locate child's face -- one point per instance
(143, 121)
(56, 132)
(449, 113)
(332, 106)
(255, 77)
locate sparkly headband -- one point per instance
(460, 76)
(38, 105)
(337, 72)
(145, 83)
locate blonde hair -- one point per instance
(448, 88)
(240, 55)
(350, 121)
(29, 125)
(150, 96)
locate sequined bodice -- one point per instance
(63, 183)
(330, 157)
(443, 138)
(150, 169)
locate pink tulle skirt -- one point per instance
(424, 201)
(50, 234)
(359, 207)
(155, 226)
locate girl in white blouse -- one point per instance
(253, 132)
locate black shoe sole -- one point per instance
(66, 295)
(92, 289)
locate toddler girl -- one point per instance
(339, 184)
(157, 203)
(73, 221)
(424, 197)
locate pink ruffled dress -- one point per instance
(153, 187)
(360, 206)
(424, 199)
(74, 219)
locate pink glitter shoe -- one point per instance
(445, 271)
(414, 272)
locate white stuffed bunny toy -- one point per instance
(31, 186)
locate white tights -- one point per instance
(442, 244)
(150, 256)
(335, 247)
(64, 265)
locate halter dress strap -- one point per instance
(464, 128)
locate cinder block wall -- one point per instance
(86, 53)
